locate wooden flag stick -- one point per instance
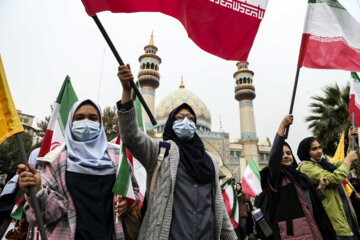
(293, 99)
(33, 199)
(120, 61)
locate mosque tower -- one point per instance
(149, 79)
(245, 93)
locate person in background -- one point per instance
(241, 231)
(75, 187)
(336, 203)
(355, 196)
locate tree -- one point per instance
(330, 116)
(10, 154)
(110, 122)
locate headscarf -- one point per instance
(300, 178)
(88, 157)
(304, 154)
(192, 151)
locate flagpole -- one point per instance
(33, 199)
(293, 99)
(352, 135)
(120, 61)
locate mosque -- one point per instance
(233, 155)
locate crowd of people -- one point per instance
(302, 199)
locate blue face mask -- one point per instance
(85, 130)
(184, 129)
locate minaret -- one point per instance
(245, 93)
(149, 80)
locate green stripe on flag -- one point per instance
(330, 3)
(122, 181)
(355, 76)
(138, 109)
(66, 98)
(255, 168)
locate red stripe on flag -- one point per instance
(354, 109)
(46, 143)
(328, 55)
(223, 31)
(247, 189)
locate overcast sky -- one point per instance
(42, 41)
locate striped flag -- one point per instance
(251, 179)
(331, 38)
(123, 185)
(354, 102)
(225, 28)
(17, 211)
(55, 132)
(231, 202)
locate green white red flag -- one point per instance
(55, 132)
(251, 180)
(354, 102)
(225, 28)
(123, 184)
(17, 211)
(231, 202)
(331, 38)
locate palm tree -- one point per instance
(330, 116)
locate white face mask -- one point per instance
(184, 129)
(85, 130)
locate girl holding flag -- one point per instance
(295, 209)
(184, 199)
(337, 204)
(75, 187)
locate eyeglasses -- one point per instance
(180, 117)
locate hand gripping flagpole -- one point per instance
(293, 99)
(33, 199)
(120, 61)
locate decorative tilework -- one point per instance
(178, 97)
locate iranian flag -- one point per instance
(225, 28)
(123, 185)
(331, 38)
(55, 132)
(354, 103)
(251, 179)
(17, 211)
(231, 202)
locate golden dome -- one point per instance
(178, 97)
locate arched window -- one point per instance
(143, 66)
(152, 66)
(147, 65)
(156, 67)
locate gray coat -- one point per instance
(157, 220)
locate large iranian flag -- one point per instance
(251, 180)
(225, 28)
(55, 132)
(231, 202)
(354, 103)
(331, 38)
(123, 185)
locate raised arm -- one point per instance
(276, 153)
(142, 147)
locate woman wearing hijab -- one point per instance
(295, 208)
(336, 203)
(186, 200)
(75, 188)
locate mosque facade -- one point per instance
(233, 155)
